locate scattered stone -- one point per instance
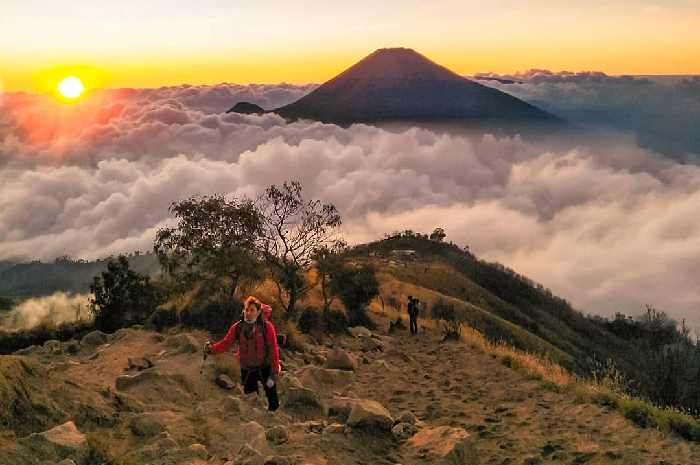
(139, 363)
(407, 417)
(66, 462)
(360, 332)
(341, 360)
(94, 356)
(199, 451)
(445, 445)
(403, 431)
(94, 339)
(146, 425)
(369, 414)
(341, 407)
(396, 355)
(56, 443)
(371, 344)
(319, 379)
(277, 435)
(225, 382)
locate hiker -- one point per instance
(413, 311)
(257, 353)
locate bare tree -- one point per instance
(293, 230)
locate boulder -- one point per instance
(199, 451)
(146, 425)
(341, 360)
(407, 417)
(94, 339)
(371, 344)
(277, 435)
(403, 431)
(56, 443)
(369, 414)
(341, 407)
(445, 446)
(304, 403)
(184, 343)
(139, 363)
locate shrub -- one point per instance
(122, 297)
(640, 412)
(446, 313)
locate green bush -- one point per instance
(640, 412)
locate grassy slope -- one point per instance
(491, 296)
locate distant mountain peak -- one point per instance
(401, 85)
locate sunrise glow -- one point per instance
(71, 87)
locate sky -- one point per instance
(603, 223)
(149, 44)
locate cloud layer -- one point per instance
(604, 224)
(662, 112)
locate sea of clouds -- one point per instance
(606, 224)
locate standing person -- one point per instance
(257, 353)
(413, 309)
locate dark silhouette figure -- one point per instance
(413, 310)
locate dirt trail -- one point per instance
(514, 420)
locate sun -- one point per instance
(71, 87)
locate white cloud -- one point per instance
(603, 224)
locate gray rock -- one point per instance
(278, 460)
(94, 339)
(248, 456)
(369, 414)
(407, 417)
(277, 435)
(199, 451)
(370, 344)
(56, 443)
(304, 403)
(341, 360)
(403, 431)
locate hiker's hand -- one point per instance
(273, 376)
(206, 350)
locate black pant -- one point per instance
(250, 377)
(413, 323)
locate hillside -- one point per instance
(499, 303)
(34, 279)
(463, 407)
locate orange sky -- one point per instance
(135, 44)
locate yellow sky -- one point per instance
(149, 44)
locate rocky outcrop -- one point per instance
(147, 425)
(445, 446)
(57, 443)
(183, 343)
(341, 360)
(139, 363)
(246, 108)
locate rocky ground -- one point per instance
(370, 398)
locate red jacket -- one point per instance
(251, 353)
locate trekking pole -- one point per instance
(201, 370)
